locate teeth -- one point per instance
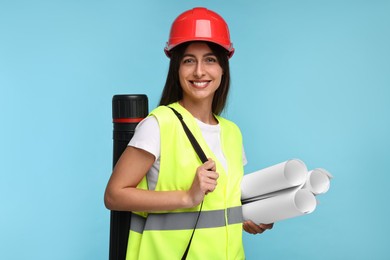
(200, 84)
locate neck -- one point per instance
(200, 110)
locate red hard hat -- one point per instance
(199, 24)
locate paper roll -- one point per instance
(318, 181)
(287, 205)
(274, 178)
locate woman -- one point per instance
(160, 178)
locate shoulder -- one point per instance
(147, 136)
(159, 110)
(162, 113)
(148, 123)
(167, 117)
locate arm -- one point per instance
(121, 192)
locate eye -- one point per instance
(188, 60)
(211, 59)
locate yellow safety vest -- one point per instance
(165, 235)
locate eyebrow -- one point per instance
(205, 55)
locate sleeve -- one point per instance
(147, 136)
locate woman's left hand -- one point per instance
(252, 228)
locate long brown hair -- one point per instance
(173, 92)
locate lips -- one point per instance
(200, 84)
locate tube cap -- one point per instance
(129, 108)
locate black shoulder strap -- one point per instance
(191, 137)
(202, 157)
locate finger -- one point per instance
(256, 229)
(209, 165)
(210, 185)
(205, 174)
(212, 175)
(246, 228)
(210, 182)
(252, 228)
(214, 168)
(266, 226)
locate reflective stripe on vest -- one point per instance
(185, 220)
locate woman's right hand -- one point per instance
(205, 181)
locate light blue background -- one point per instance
(310, 80)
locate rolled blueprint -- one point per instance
(288, 204)
(281, 176)
(318, 181)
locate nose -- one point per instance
(199, 70)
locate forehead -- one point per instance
(198, 48)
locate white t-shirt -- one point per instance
(147, 137)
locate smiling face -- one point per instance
(200, 73)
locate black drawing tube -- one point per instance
(127, 112)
